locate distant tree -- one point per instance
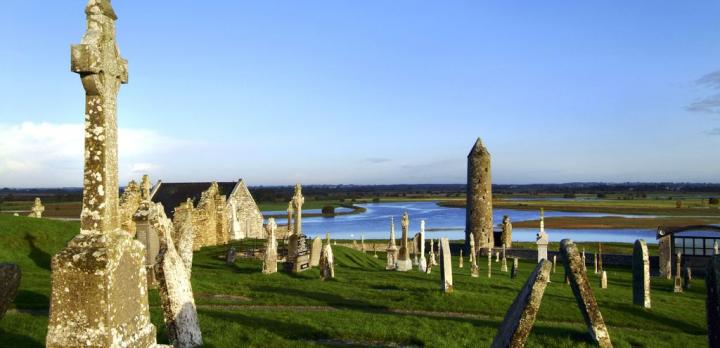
(714, 201)
(328, 210)
(601, 195)
(376, 200)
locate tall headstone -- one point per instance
(415, 248)
(687, 278)
(603, 280)
(149, 238)
(474, 269)
(431, 254)
(460, 260)
(37, 209)
(327, 262)
(515, 268)
(103, 264)
(506, 232)
(542, 239)
(315, 251)
(230, 256)
(270, 259)
(479, 220)
(174, 287)
(641, 274)
(712, 301)
(362, 242)
(391, 250)
(489, 258)
(583, 293)
(404, 263)
(10, 276)
(446, 277)
(600, 264)
(503, 266)
(422, 262)
(554, 263)
(520, 317)
(297, 202)
(595, 262)
(185, 235)
(678, 273)
(715, 248)
(290, 214)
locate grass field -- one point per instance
(364, 305)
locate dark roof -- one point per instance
(667, 230)
(172, 194)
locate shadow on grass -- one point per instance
(8, 339)
(31, 300)
(39, 256)
(328, 299)
(659, 318)
(290, 331)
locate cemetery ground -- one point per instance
(365, 304)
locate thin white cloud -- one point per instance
(51, 154)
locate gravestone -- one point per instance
(174, 287)
(230, 256)
(595, 262)
(542, 238)
(554, 263)
(391, 250)
(327, 262)
(460, 260)
(583, 293)
(641, 274)
(600, 261)
(10, 276)
(149, 238)
(712, 301)
(422, 262)
(687, 278)
(503, 265)
(515, 268)
(584, 262)
(506, 235)
(315, 251)
(474, 269)
(431, 254)
(489, 258)
(479, 219)
(270, 257)
(446, 277)
(404, 262)
(603, 280)
(301, 260)
(415, 247)
(103, 264)
(37, 209)
(520, 317)
(716, 251)
(678, 271)
(185, 236)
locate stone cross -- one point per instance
(404, 262)
(102, 70)
(422, 263)
(392, 250)
(270, 259)
(103, 263)
(712, 303)
(542, 238)
(583, 293)
(678, 274)
(446, 277)
(520, 317)
(641, 274)
(37, 209)
(297, 201)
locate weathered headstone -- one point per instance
(542, 239)
(174, 287)
(583, 293)
(506, 235)
(687, 278)
(678, 274)
(301, 260)
(10, 276)
(600, 264)
(641, 274)
(230, 256)
(595, 262)
(270, 257)
(520, 317)
(185, 234)
(315, 251)
(297, 201)
(554, 263)
(489, 260)
(503, 266)
(431, 254)
(497, 256)
(716, 251)
(391, 250)
(37, 209)
(479, 220)
(712, 301)
(446, 277)
(515, 268)
(584, 262)
(603, 280)
(460, 260)
(103, 264)
(474, 269)
(422, 262)
(415, 248)
(404, 263)
(149, 238)
(327, 262)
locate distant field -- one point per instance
(365, 305)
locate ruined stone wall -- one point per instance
(248, 215)
(222, 230)
(204, 221)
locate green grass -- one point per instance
(364, 304)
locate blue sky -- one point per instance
(369, 92)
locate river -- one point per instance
(450, 222)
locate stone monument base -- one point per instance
(301, 264)
(404, 265)
(99, 296)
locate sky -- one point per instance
(373, 92)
